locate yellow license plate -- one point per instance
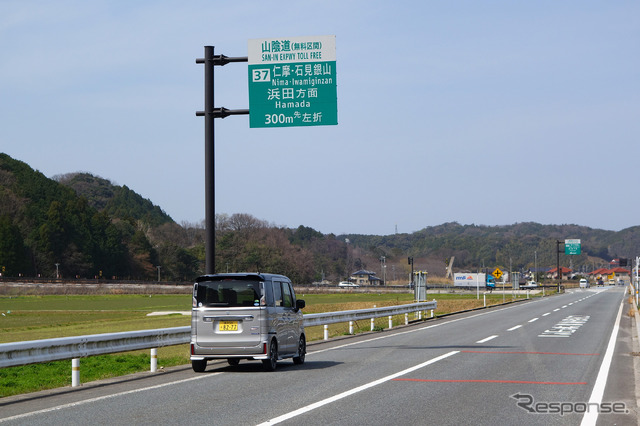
(228, 326)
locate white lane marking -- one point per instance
(514, 328)
(100, 398)
(548, 313)
(486, 339)
(591, 416)
(556, 310)
(350, 392)
(533, 319)
(564, 306)
(411, 331)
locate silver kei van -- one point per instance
(246, 316)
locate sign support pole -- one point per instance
(210, 113)
(209, 163)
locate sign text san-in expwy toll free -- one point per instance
(292, 82)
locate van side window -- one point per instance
(287, 295)
(268, 292)
(277, 293)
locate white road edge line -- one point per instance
(591, 416)
(350, 392)
(99, 398)
(486, 339)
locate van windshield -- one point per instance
(230, 293)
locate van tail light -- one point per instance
(264, 348)
(192, 351)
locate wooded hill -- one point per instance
(93, 228)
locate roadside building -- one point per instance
(565, 273)
(617, 274)
(364, 277)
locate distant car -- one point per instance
(584, 283)
(612, 282)
(347, 284)
(529, 284)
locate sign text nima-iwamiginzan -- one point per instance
(292, 82)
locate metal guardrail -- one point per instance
(46, 350)
(35, 351)
(362, 314)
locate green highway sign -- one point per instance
(572, 247)
(292, 82)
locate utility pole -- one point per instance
(410, 261)
(558, 272)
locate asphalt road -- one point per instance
(535, 362)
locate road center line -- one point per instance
(514, 328)
(486, 339)
(533, 319)
(350, 392)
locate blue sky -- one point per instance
(483, 112)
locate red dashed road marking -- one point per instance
(489, 381)
(523, 352)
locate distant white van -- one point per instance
(584, 283)
(347, 284)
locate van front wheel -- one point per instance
(270, 363)
(199, 365)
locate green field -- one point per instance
(42, 317)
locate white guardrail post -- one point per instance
(154, 360)
(74, 348)
(75, 372)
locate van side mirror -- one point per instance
(300, 304)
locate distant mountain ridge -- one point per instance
(520, 245)
(117, 201)
(82, 225)
(89, 229)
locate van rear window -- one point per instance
(230, 293)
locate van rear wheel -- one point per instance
(302, 351)
(270, 363)
(199, 365)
